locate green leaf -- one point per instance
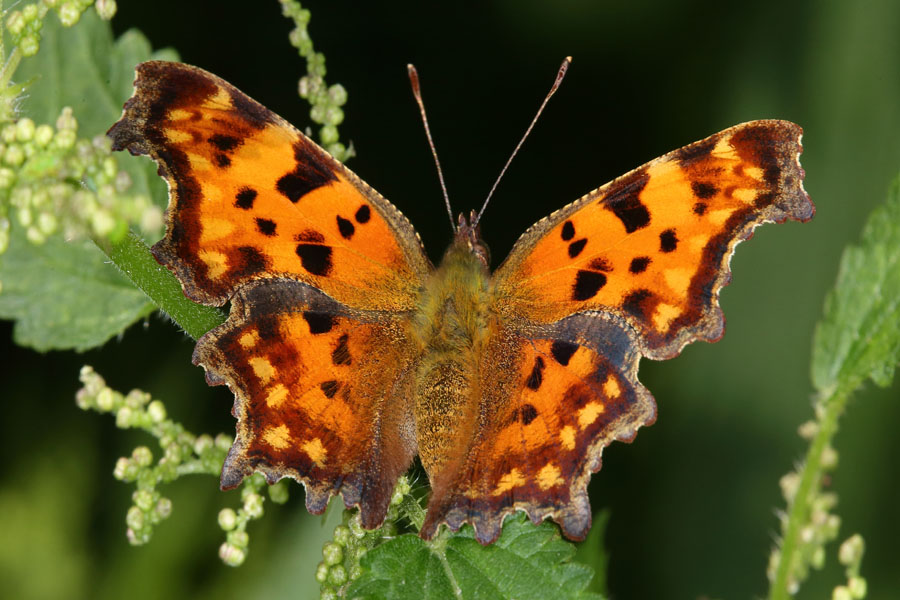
(859, 336)
(64, 296)
(527, 562)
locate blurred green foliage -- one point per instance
(691, 499)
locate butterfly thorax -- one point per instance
(451, 326)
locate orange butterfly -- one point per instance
(349, 353)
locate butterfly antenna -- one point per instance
(559, 77)
(417, 92)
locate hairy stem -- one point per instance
(133, 258)
(810, 481)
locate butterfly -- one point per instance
(349, 352)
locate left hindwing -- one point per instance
(653, 246)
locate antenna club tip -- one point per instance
(568, 59)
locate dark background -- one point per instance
(693, 499)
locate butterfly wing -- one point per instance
(654, 246)
(321, 395)
(632, 269)
(549, 402)
(251, 197)
(320, 271)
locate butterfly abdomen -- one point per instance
(451, 327)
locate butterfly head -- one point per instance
(468, 235)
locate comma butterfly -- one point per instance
(349, 353)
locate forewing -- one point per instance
(653, 246)
(251, 197)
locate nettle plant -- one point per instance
(75, 270)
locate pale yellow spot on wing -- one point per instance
(316, 451)
(262, 368)
(567, 437)
(249, 339)
(678, 280)
(199, 163)
(724, 149)
(277, 437)
(508, 482)
(745, 195)
(215, 229)
(216, 263)
(277, 394)
(177, 137)
(589, 414)
(664, 315)
(611, 387)
(754, 172)
(718, 217)
(179, 114)
(549, 477)
(221, 100)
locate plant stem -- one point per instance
(133, 258)
(810, 480)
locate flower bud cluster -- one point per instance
(24, 25)
(52, 182)
(850, 555)
(341, 556)
(822, 524)
(233, 550)
(325, 101)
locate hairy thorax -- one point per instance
(451, 327)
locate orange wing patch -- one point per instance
(654, 245)
(252, 197)
(320, 397)
(542, 436)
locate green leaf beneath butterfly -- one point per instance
(527, 562)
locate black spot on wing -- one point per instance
(703, 190)
(700, 209)
(245, 197)
(345, 227)
(625, 202)
(568, 231)
(224, 143)
(315, 258)
(575, 248)
(266, 226)
(363, 214)
(318, 322)
(587, 284)
(639, 264)
(329, 388)
(668, 241)
(310, 173)
(527, 414)
(310, 235)
(341, 353)
(222, 160)
(536, 378)
(562, 351)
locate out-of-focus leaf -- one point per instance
(65, 295)
(859, 335)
